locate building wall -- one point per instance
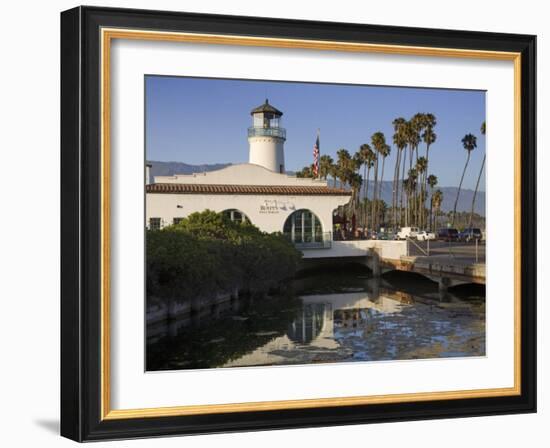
(269, 213)
(240, 174)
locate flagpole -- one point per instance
(319, 148)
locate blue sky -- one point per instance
(198, 120)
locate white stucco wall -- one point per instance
(392, 250)
(267, 152)
(241, 174)
(267, 212)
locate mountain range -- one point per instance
(449, 193)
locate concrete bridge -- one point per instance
(381, 256)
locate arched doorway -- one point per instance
(303, 227)
(236, 215)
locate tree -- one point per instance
(306, 171)
(325, 162)
(333, 172)
(482, 129)
(413, 139)
(384, 152)
(421, 167)
(400, 142)
(432, 182)
(345, 165)
(355, 182)
(436, 201)
(381, 149)
(469, 142)
(429, 137)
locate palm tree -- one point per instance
(306, 171)
(344, 164)
(417, 125)
(432, 182)
(413, 139)
(366, 157)
(325, 162)
(469, 142)
(355, 182)
(437, 200)
(379, 144)
(408, 188)
(482, 129)
(333, 172)
(400, 142)
(429, 137)
(421, 166)
(384, 152)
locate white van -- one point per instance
(407, 232)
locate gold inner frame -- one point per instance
(107, 35)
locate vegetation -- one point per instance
(415, 202)
(206, 254)
(469, 142)
(482, 129)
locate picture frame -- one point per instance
(86, 207)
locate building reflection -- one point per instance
(295, 330)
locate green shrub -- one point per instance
(206, 253)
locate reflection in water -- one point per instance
(334, 318)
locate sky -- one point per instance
(205, 121)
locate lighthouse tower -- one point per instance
(266, 138)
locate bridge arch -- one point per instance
(303, 227)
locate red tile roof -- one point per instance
(289, 190)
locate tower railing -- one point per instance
(254, 131)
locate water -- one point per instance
(328, 317)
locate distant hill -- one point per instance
(449, 196)
(171, 168)
(449, 193)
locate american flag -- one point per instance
(316, 157)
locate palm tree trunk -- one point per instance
(430, 226)
(475, 192)
(366, 199)
(459, 187)
(401, 186)
(395, 194)
(373, 208)
(364, 176)
(409, 204)
(381, 183)
(426, 181)
(393, 189)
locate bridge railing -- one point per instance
(324, 242)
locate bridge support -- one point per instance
(444, 284)
(373, 262)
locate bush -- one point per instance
(207, 253)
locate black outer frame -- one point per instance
(80, 223)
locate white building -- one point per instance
(259, 191)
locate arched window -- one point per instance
(303, 227)
(236, 215)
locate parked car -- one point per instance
(407, 232)
(384, 236)
(470, 234)
(448, 234)
(425, 236)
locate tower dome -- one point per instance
(266, 138)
